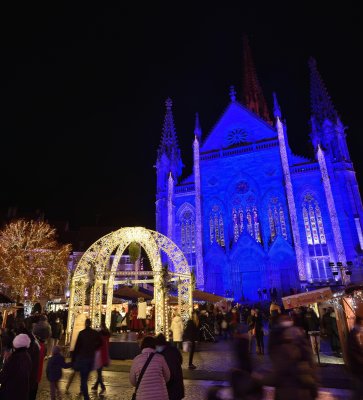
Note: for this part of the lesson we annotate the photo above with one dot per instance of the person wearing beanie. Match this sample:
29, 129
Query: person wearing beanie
15, 375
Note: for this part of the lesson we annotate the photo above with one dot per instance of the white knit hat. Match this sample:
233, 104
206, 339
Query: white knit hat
22, 340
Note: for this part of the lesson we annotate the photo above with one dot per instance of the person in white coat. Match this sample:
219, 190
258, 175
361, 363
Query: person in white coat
177, 328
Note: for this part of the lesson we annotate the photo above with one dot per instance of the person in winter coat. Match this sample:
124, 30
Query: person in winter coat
293, 368
191, 334
177, 328
54, 371
34, 353
260, 347
43, 331
355, 357
57, 329
15, 375
83, 357
174, 360
156, 376
102, 357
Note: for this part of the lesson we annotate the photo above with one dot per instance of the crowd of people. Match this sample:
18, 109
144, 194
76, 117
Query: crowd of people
156, 373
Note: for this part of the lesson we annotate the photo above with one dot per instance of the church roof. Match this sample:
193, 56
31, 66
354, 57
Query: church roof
236, 126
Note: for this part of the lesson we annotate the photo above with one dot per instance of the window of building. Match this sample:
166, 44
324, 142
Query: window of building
276, 219
216, 226
316, 239
187, 235
246, 217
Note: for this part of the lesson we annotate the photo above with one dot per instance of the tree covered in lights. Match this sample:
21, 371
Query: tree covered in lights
32, 263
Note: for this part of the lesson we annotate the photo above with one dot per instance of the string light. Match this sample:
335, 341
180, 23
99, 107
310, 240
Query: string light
93, 271
32, 263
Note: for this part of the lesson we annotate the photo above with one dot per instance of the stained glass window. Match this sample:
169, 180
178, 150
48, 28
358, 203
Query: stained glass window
216, 226
187, 235
316, 239
246, 218
276, 218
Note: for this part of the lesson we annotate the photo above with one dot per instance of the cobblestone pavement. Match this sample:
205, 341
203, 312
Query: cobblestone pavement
119, 388
213, 360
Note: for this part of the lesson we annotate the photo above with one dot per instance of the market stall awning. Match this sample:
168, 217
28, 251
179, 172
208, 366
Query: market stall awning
130, 293
199, 295
306, 298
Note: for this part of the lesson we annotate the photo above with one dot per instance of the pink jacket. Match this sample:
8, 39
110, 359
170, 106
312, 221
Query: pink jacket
153, 383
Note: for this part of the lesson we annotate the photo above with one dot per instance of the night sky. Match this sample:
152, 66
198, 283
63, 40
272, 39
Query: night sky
83, 89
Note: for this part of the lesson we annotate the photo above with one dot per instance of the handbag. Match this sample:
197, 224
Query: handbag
141, 374
186, 346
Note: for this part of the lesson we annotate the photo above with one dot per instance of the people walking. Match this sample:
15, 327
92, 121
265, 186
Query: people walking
191, 334
149, 372
15, 375
355, 357
43, 331
57, 330
54, 371
293, 368
102, 357
174, 359
177, 328
260, 346
88, 341
251, 321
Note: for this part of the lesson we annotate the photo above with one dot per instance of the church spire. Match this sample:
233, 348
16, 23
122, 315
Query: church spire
322, 107
277, 109
197, 128
253, 96
169, 142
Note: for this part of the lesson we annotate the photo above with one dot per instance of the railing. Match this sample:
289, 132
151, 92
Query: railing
239, 150
185, 188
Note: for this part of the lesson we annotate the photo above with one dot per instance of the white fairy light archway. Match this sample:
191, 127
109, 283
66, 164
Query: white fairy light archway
95, 270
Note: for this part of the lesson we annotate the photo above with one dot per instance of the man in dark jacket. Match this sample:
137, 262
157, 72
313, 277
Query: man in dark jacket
174, 359
88, 341
191, 334
15, 375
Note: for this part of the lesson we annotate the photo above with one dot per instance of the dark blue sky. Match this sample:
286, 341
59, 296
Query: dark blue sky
82, 92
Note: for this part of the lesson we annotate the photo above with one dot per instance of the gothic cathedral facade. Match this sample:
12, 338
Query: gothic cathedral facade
253, 214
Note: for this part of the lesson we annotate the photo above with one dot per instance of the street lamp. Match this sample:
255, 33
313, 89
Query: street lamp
345, 270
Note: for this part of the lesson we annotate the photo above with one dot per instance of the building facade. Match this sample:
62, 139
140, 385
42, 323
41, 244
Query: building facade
253, 214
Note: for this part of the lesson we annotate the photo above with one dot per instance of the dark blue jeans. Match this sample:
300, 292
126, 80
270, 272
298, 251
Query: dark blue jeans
99, 379
85, 366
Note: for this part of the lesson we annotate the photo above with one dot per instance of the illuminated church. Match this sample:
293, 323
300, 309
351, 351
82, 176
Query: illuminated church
253, 214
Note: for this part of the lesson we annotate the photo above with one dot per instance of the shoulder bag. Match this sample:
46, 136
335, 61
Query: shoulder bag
141, 375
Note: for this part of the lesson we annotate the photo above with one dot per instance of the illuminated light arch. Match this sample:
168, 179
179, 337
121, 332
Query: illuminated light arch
95, 270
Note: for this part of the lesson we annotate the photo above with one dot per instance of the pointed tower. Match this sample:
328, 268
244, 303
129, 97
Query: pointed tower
197, 128
253, 97
169, 147
322, 107
168, 169
327, 129
289, 191
198, 206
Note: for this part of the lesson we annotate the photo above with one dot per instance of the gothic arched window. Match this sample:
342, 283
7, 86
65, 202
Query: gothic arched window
187, 234
316, 239
276, 219
246, 217
216, 226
